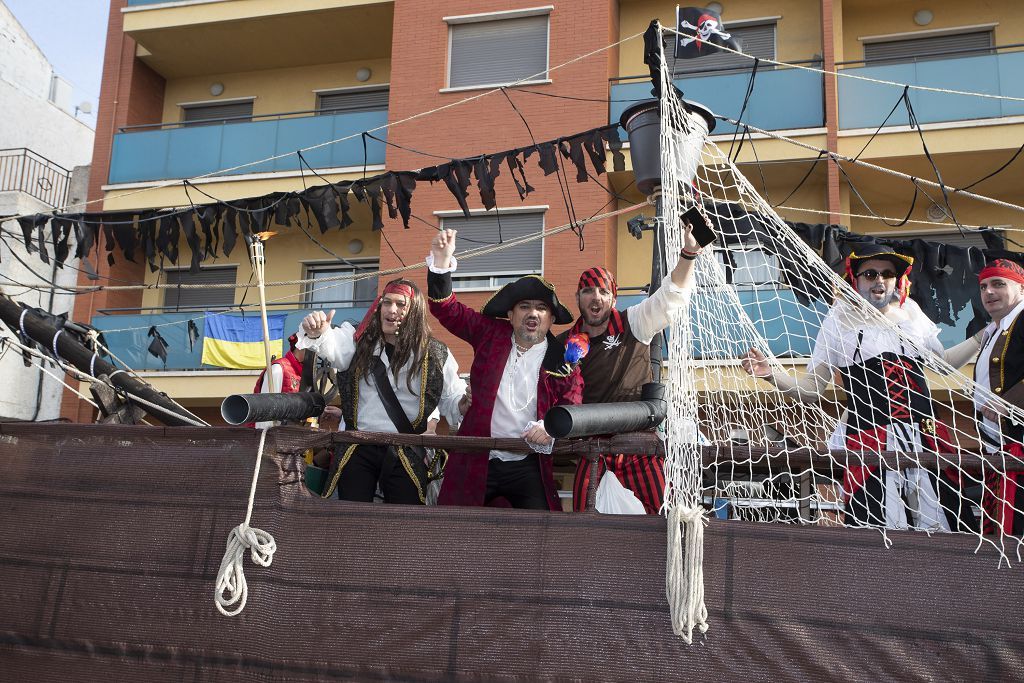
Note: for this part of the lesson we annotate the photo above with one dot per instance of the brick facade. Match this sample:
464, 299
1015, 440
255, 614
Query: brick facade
490, 124
130, 93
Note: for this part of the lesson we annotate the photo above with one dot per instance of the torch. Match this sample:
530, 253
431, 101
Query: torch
258, 258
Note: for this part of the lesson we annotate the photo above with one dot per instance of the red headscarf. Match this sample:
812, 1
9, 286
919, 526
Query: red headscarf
1004, 268
391, 288
598, 277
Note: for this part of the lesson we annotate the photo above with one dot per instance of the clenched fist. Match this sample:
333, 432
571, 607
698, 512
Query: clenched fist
316, 323
442, 247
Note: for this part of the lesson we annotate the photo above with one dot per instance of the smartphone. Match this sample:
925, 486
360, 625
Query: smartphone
702, 231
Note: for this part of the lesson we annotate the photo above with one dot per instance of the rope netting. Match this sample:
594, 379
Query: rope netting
828, 404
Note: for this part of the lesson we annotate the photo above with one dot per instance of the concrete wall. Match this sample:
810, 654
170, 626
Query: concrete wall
35, 115
27, 117
27, 386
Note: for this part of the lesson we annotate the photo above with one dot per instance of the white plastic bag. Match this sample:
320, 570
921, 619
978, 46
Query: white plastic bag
613, 498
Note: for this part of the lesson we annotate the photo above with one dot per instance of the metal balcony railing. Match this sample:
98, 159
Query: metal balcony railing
22, 170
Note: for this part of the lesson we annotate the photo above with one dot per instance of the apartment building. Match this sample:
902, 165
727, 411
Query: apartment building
200, 89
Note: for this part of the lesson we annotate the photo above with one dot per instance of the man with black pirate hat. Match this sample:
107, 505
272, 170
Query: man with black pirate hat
888, 404
519, 371
393, 375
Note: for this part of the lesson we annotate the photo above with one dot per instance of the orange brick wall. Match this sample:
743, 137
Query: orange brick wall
489, 124
130, 93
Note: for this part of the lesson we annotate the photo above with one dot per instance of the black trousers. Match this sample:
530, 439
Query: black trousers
373, 465
518, 482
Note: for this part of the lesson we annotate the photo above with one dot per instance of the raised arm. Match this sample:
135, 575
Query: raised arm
334, 344
457, 318
657, 311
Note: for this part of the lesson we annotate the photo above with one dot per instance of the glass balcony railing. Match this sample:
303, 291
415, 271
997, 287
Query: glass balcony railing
863, 104
128, 338
173, 151
782, 98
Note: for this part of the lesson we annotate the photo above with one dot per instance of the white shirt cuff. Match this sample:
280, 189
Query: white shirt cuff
441, 271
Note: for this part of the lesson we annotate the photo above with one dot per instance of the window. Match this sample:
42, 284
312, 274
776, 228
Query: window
496, 52
929, 47
341, 293
491, 271
349, 101
754, 39
221, 112
749, 267
201, 298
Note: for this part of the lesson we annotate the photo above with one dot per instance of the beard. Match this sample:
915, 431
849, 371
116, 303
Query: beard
525, 336
599, 320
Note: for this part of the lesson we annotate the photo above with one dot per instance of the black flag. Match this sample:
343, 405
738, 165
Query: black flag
193, 335
158, 347
701, 32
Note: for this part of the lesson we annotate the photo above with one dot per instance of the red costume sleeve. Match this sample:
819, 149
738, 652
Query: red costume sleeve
457, 318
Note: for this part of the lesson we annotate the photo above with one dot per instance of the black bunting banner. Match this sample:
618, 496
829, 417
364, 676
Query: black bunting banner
212, 230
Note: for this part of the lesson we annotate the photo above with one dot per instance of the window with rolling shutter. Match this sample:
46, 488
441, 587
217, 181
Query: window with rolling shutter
757, 40
342, 293
490, 271
498, 52
227, 112
346, 101
929, 47
200, 297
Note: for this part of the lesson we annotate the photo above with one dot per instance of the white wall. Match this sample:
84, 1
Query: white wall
29, 119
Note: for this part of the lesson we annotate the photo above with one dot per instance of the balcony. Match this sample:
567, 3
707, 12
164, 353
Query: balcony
145, 153
22, 170
131, 344
782, 99
864, 105
190, 38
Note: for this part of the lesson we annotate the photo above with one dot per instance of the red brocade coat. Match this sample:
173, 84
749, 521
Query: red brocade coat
465, 475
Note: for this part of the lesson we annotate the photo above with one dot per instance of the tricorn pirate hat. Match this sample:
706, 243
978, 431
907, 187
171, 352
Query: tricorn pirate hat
864, 252
527, 287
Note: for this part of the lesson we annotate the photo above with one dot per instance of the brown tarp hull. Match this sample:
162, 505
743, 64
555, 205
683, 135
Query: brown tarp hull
111, 538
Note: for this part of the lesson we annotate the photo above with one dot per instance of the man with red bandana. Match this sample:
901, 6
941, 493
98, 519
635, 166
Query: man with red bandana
518, 372
888, 403
619, 364
999, 372
390, 363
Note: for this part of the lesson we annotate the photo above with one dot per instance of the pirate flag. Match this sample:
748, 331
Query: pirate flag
158, 347
701, 32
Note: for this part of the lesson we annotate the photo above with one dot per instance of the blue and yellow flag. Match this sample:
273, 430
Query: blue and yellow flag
234, 341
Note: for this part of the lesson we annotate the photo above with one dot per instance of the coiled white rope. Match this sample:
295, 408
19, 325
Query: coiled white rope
684, 585
232, 587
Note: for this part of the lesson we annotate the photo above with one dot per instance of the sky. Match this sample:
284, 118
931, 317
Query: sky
72, 35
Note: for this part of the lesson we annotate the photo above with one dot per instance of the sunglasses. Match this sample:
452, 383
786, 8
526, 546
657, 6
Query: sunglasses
872, 274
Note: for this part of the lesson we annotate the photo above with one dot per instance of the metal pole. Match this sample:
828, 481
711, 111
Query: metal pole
657, 273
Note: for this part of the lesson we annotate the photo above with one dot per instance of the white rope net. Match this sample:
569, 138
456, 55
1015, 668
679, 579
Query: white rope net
856, 416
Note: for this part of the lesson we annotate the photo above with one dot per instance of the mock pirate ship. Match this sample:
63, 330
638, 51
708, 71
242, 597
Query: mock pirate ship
112, 538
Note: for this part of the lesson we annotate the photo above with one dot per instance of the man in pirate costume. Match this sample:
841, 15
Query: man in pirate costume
1000, 370
619, 364
393, 374
286, 376
888, 404
518, 373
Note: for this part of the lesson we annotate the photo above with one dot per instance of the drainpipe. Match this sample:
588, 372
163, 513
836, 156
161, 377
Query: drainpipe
828, 58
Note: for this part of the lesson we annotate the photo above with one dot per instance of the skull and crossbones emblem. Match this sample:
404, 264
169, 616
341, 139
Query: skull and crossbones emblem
706, 27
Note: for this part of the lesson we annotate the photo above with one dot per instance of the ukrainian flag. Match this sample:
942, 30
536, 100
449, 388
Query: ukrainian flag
235, 341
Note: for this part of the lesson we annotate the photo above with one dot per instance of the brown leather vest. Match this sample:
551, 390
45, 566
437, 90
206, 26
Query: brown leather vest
615, 367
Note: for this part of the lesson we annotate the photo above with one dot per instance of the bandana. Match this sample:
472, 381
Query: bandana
1004, 268
598, 277
391, 288
292, 341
